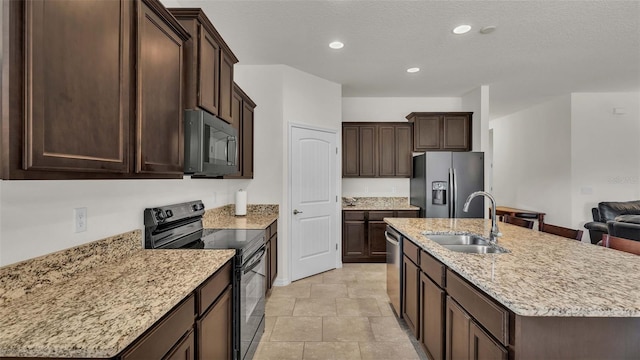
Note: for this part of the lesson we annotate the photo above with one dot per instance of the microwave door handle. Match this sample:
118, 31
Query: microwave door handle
233, 152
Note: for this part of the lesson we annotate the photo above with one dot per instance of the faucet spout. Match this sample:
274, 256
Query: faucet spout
494, 226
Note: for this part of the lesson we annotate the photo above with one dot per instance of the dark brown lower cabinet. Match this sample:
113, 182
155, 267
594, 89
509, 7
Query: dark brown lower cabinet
214, 335
200, 327
363, 237
482, 346
410, 285
185, 350
432, 305
457, 331
166, 335
271, 233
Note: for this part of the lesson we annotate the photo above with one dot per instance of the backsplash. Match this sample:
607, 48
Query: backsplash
373, 202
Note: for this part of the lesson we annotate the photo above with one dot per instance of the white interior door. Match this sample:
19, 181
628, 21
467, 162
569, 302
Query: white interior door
313, 201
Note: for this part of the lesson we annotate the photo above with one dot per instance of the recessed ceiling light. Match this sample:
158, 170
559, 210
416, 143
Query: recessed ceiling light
462, 29
487, 29
336, 45
413, 70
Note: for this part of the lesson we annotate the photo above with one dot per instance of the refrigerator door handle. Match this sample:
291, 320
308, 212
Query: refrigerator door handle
451, 191
455, 194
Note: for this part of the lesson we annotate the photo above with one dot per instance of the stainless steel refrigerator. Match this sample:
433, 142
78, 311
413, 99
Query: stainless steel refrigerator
443, 180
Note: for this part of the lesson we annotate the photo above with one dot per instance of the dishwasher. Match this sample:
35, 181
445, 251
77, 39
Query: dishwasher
394, 268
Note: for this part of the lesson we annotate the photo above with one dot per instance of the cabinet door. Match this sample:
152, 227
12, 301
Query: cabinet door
404, 145
185, 350
273, 264
236, 114
226, 87
77, 82
456, 331
386, 150
214, 329
350, 151
267, 267
427, 132
377, 243
368, 153
353, 240
208, 71
432, 307
456, 130
410, 286
482, 346
159, 127
247, 141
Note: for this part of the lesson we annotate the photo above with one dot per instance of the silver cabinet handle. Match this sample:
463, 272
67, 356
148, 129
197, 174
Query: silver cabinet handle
296, 212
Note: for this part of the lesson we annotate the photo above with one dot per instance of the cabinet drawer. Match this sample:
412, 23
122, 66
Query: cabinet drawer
379, 215
353, 215
434, 269
411, 250
213, 287
163, 336
407, 213
494, 318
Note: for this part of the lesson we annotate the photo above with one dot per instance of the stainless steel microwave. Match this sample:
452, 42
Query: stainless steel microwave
210, 146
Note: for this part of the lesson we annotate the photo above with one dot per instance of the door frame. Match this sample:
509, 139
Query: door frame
337, 232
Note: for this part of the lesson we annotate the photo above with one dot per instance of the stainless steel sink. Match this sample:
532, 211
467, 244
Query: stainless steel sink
458, 239
466, 243
476, 249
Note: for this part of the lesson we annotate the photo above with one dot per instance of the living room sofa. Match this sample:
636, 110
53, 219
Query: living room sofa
624, 211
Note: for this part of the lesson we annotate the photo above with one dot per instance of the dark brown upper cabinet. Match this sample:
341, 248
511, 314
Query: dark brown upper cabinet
92, 90
433, 131
209, 65
159, 95
242, 110
380, 149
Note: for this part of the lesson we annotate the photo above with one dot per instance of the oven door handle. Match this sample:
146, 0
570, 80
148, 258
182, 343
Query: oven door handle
252, 265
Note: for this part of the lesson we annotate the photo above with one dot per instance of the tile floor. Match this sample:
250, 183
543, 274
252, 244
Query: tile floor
340, 314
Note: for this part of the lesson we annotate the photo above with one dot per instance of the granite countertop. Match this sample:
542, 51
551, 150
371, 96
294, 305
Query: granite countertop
92, 301
378, 203
258, 217
543, 275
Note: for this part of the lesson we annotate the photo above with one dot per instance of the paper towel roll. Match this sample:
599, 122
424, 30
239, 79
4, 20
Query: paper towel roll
241, 203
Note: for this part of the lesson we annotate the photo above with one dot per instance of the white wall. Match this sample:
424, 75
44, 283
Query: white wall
36, 216
387, 109
564, 156
285, 95
532, 160
477, 101
605, 150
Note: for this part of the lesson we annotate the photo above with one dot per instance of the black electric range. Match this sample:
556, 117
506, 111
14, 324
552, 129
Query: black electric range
179, 226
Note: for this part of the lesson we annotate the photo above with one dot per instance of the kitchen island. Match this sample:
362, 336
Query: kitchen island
548, 297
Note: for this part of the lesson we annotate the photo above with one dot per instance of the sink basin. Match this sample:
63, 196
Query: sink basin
476, 249
458, 239
466, 243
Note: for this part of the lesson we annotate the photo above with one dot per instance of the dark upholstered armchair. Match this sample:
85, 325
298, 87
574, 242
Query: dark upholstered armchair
626, 211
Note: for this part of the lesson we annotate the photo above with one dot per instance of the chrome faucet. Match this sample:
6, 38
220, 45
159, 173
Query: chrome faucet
494, 226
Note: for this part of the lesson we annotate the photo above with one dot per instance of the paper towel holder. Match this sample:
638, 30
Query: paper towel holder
241, 203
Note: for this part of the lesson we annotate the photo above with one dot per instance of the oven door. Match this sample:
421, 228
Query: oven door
252, 303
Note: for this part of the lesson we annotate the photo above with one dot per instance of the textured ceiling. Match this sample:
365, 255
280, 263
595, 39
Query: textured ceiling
540, 49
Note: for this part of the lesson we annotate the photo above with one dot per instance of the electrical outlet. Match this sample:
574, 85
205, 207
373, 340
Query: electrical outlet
80, 219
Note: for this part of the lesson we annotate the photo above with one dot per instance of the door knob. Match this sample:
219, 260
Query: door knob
296, 212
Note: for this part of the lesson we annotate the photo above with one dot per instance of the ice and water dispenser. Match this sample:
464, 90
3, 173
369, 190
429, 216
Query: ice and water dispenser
439, 192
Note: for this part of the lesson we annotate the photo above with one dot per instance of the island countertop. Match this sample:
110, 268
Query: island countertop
543, 274
95, 300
